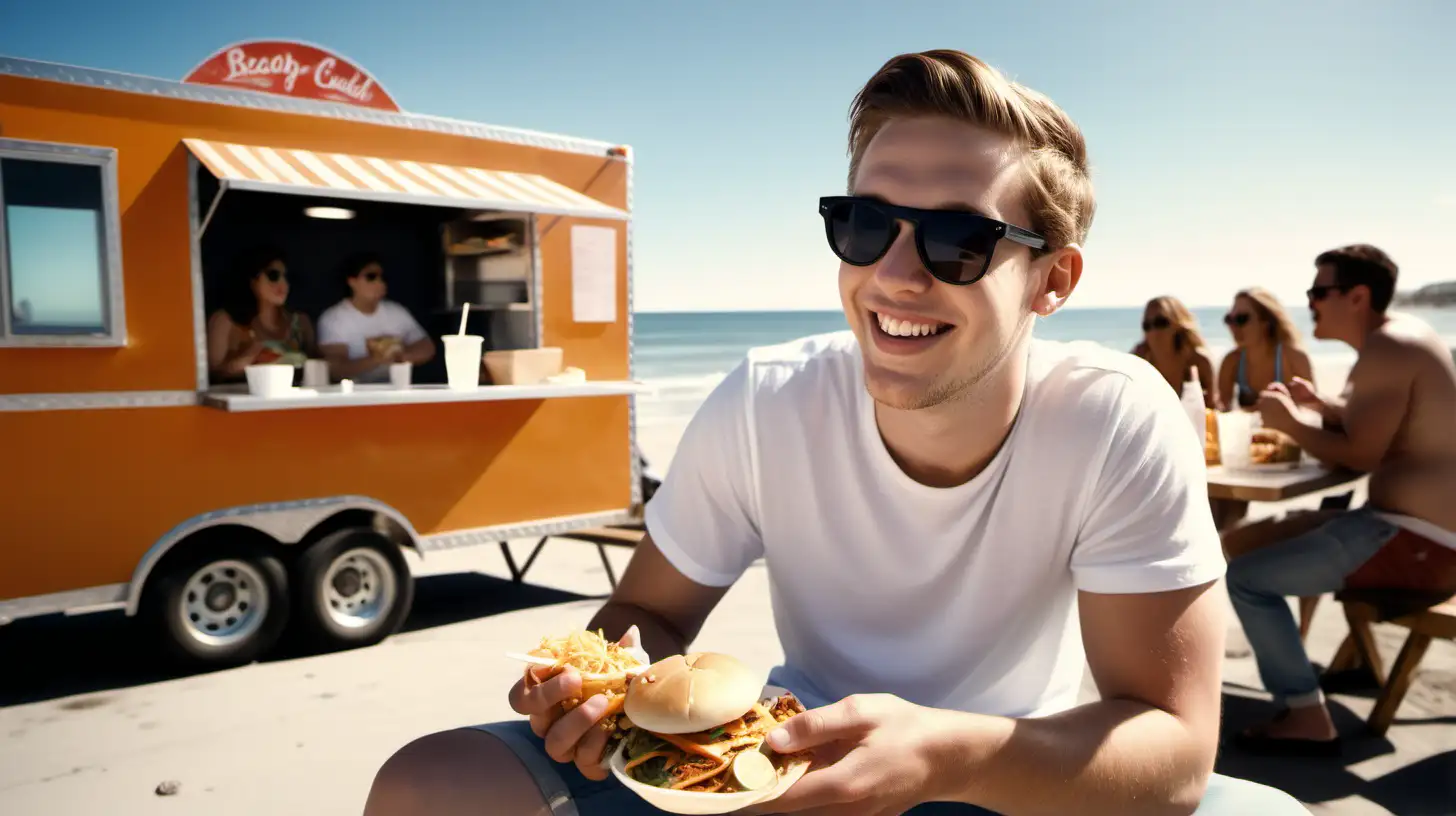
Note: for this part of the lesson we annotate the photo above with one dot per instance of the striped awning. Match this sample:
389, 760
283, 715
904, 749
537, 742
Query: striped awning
341, 175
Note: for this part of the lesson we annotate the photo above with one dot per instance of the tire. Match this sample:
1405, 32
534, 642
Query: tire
219, 604
352, 588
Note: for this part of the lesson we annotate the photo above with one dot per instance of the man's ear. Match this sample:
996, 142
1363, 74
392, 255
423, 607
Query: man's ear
1063, 271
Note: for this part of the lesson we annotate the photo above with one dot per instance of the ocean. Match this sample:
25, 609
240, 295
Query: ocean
684, 355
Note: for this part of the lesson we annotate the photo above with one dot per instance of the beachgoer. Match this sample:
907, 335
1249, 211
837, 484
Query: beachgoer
1268, 349
365, 332
1393, 421
255, 325
955, 518
1172, 343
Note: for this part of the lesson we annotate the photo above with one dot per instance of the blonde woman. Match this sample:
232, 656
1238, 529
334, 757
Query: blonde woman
1268, 349
1172, 343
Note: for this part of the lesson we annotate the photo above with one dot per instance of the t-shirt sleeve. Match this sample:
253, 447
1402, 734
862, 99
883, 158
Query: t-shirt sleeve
410, 330
1149, 527
703, 517
331, 329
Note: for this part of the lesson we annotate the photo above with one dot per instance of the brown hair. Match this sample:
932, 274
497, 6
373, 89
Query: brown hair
1184, 323
957, 85
1272, 312
1363, 265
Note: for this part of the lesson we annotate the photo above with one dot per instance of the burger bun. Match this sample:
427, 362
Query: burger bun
685, 694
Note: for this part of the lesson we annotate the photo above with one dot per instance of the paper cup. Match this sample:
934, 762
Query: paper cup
695, 802
1235, 435
315, 373
462, 360
269, 379
400, 374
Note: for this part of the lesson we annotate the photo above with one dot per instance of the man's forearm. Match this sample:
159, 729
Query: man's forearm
1330, 447
1112, 756
658, 637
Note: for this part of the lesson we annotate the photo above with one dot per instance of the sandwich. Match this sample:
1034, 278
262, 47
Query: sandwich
698, 722
606, 667
1270, 447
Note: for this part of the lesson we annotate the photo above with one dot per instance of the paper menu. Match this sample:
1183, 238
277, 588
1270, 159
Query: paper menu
593, 274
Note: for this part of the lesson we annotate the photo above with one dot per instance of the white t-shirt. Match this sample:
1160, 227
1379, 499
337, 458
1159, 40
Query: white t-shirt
960, 598
343, 324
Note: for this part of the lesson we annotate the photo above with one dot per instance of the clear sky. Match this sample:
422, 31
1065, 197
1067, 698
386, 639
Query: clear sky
1231, 141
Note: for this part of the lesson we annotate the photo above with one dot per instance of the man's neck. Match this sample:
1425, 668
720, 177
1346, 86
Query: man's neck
951, 443
1370, 325
365, 306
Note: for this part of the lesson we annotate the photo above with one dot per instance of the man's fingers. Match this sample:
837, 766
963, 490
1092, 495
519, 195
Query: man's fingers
540, 699
567, 732
817, 726
589, 754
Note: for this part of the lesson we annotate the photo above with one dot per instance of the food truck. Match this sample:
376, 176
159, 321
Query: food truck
225, 516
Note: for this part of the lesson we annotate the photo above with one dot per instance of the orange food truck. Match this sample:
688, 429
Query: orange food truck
226, 510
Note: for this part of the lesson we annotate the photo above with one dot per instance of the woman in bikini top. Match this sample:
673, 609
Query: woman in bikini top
1268, 349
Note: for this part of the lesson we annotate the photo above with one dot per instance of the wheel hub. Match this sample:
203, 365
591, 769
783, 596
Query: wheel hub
359, 587
223, 602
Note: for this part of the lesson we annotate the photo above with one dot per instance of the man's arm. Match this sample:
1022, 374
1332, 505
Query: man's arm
666, 606
1379, 395
1148, 746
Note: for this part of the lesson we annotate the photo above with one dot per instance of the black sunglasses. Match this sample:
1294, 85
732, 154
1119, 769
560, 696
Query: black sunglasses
954, 246
372, 276
274, 275
1236, 318
1321, 292
1158, 322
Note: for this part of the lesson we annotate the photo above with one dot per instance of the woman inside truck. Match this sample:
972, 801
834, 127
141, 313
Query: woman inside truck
255, 325
365, 332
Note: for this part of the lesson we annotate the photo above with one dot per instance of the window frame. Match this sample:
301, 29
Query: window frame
112, 297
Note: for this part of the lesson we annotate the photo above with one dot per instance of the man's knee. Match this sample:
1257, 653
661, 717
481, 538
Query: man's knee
452, 772
1227, 796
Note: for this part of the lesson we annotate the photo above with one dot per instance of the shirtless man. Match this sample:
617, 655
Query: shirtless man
1394, 421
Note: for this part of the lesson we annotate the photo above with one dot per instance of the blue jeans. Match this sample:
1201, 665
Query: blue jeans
570, 794
1312, 563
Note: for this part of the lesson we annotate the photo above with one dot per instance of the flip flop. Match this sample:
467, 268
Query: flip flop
1267, 746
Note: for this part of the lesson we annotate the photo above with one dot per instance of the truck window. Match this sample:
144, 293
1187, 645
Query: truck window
59, 268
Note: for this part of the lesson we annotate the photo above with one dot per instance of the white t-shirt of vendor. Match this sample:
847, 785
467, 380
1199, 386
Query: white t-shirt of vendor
343, 324
961, 598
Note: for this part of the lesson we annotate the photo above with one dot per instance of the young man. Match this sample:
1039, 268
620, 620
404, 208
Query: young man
365, 332
1394, 421
955, 518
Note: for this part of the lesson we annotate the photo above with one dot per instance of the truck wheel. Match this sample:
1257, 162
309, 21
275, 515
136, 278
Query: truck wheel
223, 604
353, 588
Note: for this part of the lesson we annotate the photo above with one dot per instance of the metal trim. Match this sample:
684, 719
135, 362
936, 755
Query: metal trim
538, 287
276, 523
632, 352
112, 282
419, 199
90, 599
96, 400
533, 529
194, 247
256, 100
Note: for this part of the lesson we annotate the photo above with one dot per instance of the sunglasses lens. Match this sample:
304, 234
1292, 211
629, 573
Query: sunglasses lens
957, 247
859, 232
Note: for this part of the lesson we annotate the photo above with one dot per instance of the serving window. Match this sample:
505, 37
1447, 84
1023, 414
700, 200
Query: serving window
60, 249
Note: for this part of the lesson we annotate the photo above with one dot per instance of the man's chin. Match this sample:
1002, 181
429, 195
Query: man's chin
902, 392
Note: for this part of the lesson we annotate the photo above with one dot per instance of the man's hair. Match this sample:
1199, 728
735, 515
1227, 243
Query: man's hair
957, 85
1363, 265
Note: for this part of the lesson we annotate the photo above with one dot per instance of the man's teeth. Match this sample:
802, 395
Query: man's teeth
904, 328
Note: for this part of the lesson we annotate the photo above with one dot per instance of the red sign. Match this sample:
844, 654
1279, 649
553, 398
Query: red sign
292, 69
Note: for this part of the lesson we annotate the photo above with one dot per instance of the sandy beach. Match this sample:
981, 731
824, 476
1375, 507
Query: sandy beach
93, 730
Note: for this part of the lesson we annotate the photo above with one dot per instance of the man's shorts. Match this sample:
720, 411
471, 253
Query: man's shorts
570, 794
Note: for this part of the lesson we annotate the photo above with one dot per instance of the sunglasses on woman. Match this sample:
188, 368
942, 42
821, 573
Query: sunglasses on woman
954, 246
1236, 319
274, 275
1158, 322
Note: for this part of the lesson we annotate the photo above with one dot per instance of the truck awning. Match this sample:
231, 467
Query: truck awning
341, 175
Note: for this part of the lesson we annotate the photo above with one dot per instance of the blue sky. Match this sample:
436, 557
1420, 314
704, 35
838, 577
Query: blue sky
1231, 142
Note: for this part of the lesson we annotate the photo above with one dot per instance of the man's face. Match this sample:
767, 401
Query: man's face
369, 285
937, 164
1331, 309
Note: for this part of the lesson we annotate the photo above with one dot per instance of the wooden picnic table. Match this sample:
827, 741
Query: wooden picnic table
1275, 485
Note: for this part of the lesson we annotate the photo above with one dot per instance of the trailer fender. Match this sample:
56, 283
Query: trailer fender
285, 522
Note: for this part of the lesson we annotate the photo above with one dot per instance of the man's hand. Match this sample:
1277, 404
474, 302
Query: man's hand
1303, 393
873, 754
1277, 407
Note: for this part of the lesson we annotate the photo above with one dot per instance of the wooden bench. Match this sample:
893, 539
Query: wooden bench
1426, 618
624, 535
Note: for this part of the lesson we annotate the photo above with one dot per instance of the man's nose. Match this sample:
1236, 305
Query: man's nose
901, 269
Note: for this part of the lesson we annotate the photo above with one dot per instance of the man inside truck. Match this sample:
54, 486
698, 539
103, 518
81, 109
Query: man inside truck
956, 519
361, 335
